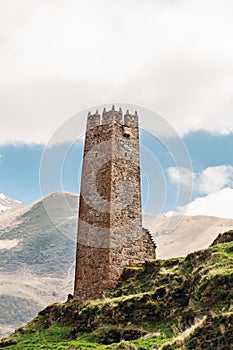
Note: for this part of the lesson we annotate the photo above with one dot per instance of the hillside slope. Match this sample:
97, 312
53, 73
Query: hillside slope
179, 236
37, 252
36, 257
181, 303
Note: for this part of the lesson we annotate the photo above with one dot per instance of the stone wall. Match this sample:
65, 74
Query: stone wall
110, 234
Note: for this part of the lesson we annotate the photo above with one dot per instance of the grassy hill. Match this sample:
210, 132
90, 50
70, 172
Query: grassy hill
180, 303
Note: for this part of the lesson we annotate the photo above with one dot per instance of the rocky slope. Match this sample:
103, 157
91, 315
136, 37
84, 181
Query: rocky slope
37, 252
180, 303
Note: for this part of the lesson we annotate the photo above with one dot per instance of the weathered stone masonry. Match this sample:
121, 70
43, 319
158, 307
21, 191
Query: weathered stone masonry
110, 234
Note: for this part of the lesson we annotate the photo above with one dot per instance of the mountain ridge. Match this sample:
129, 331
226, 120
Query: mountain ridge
7, 203
37, 252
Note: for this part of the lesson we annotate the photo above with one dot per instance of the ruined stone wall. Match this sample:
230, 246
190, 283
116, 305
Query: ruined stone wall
110, 234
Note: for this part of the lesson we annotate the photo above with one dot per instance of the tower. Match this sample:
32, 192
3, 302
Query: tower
110, 233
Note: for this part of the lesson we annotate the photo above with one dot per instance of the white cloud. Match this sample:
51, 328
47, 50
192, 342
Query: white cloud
181, 176
209, 180
215, 183
213, 179
58, 58
218, 204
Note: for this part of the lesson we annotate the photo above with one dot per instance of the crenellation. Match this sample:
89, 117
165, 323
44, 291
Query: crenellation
113, 117
131, 120
93, 120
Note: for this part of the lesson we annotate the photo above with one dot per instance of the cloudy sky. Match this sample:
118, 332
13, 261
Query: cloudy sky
59, 57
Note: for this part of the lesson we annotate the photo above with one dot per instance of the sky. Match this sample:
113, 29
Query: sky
174, 58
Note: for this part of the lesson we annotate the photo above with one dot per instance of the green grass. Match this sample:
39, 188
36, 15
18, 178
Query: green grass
164, 304
57, 337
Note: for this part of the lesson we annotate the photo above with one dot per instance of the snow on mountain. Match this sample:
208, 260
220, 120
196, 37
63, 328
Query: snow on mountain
3, 208
7, 203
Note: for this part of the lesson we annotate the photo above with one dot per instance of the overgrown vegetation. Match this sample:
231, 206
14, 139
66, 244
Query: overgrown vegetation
183, 303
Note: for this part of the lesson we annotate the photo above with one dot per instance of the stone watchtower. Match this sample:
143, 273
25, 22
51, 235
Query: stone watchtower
110, 233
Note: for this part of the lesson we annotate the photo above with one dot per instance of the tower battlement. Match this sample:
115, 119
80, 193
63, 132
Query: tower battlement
93, 120
112, 117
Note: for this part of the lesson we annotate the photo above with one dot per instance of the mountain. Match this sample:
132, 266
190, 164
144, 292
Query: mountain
37, 251
36, 257
179, 236
7, 203
180, 303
